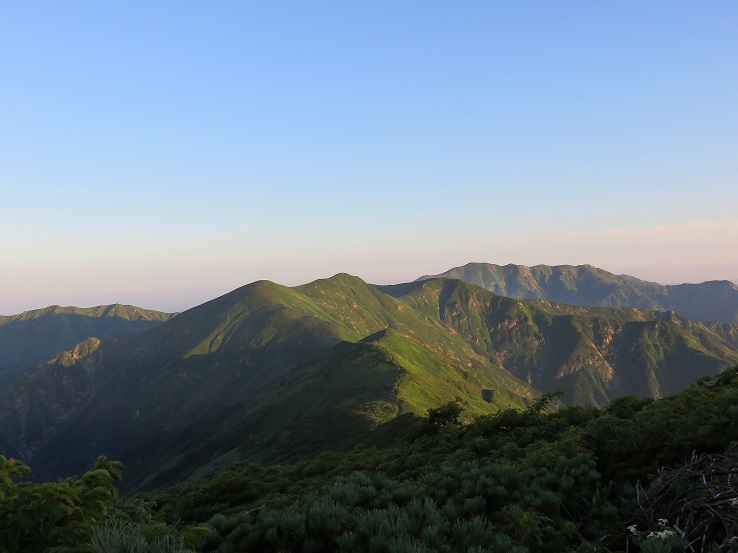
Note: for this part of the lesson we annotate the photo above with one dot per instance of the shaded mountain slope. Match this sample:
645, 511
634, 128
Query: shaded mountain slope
340, 395
272, 373
35, 336
218, 358
332, 401
589, 286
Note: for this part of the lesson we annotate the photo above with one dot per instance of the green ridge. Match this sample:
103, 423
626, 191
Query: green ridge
272, 374
589, 286
35, 336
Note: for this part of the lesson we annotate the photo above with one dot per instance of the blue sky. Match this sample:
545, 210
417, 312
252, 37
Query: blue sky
164, 154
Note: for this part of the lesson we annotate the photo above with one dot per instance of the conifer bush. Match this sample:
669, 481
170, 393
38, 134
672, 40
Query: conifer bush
119, 536
483, 507
537, 480
54, 517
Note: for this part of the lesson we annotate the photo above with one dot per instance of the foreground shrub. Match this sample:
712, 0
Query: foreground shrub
54, 517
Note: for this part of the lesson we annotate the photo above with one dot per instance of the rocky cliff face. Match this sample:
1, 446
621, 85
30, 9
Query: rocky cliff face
44, 398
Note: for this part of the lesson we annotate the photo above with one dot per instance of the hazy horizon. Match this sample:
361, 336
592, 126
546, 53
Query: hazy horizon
178, 300
153, 153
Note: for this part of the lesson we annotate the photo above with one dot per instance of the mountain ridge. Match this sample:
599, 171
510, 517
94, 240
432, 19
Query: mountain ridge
274, 337
524, 335
35, 336
274, 373
587, 285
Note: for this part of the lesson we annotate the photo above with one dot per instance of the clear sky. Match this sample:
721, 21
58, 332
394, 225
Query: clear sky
163, 153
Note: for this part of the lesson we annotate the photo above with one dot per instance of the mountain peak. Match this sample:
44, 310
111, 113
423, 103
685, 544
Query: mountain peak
337, 356
35, 336
589, 286
343, 278
80, 351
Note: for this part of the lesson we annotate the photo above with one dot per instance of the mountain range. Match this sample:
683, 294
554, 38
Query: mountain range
585, 285
35, 336
274, 373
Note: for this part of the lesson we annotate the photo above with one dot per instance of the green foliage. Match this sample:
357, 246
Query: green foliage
696, 502
534, 480
82, 515
476, 507
543, 403
54, 517
10, 469
119, 536
445, 416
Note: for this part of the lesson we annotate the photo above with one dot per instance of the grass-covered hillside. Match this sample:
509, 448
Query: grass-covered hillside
275, 374
593, 354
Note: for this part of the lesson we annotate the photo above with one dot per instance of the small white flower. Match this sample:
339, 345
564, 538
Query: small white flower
734, 501
632, 529
662, 535
663, 521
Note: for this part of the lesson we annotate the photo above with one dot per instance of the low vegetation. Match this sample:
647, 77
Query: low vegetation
641, 475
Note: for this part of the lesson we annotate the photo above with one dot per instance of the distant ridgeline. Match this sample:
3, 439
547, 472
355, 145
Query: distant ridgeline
274, 374
589, 286
35, 336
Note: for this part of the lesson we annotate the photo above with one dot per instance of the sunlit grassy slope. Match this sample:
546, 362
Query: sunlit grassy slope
272, 373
